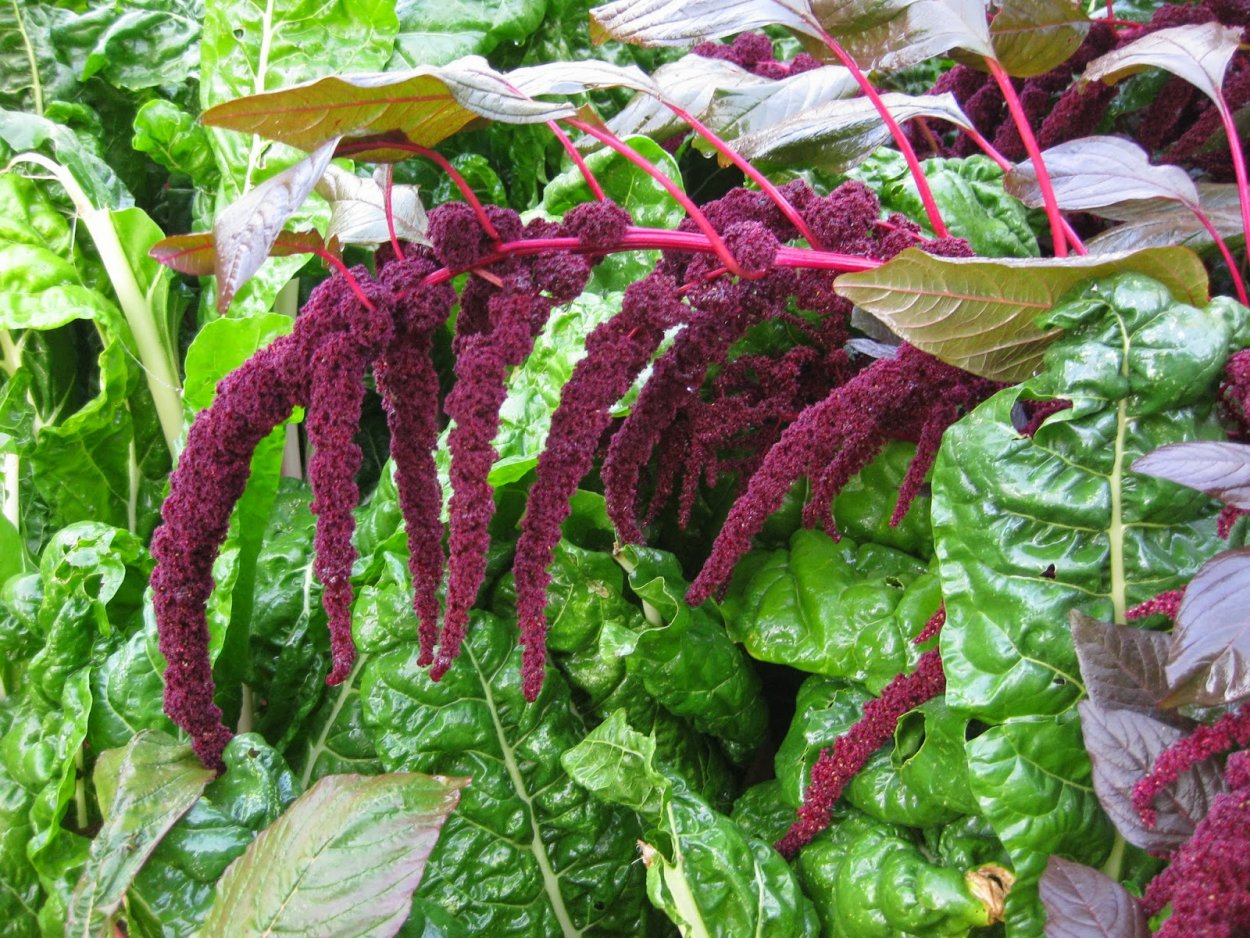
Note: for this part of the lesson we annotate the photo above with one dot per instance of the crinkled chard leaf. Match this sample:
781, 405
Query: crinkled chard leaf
705, 872
527, 850
840, 609
685, 658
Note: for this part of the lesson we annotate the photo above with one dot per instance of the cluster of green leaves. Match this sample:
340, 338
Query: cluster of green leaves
685, 733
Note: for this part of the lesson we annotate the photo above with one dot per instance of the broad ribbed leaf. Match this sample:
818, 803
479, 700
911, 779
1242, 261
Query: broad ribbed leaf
425, 105
1122, 666
151, 783
1081, 902
344, 858
358, 209
1092, 173
980, 314
1209, 664
244, 233
755, 107
1220, 469
1198, 53
837, 135
1033, 36
1123, 746
1027, 529
685, 22
1160, 224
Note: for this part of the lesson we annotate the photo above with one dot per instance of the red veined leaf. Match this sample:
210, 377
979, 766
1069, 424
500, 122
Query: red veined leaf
1081, 902
1198, 53
196, 254
1033, 36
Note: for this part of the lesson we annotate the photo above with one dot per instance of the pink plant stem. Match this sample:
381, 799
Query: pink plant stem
1239, 163
1006, 166
1233, 271
595, 189
1057, 233
900, 139
387, 191
748, 170
661, 239
445, 165
696, 215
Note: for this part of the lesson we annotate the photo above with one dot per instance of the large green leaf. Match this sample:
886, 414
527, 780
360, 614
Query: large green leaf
345, 857
32, 73
1028, 529
527, 852
137, 45
981, 315
703, 871
437, 33
149, 784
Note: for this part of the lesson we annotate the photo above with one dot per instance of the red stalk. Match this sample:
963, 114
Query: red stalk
1239, 162
1057, 232
900, 139
389, 175
1203, 220
611, 140
445, 165
748, 170
595, 189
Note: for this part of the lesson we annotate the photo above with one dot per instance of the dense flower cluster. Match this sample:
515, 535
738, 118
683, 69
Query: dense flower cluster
754, 52
1207, 882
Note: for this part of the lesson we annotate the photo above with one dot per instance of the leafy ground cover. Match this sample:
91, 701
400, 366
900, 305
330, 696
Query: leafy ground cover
660, 468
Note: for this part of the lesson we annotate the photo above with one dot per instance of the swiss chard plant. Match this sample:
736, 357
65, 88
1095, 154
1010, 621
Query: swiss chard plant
688, 468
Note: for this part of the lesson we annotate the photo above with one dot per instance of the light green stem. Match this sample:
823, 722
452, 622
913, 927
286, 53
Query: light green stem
10, 495
159, 368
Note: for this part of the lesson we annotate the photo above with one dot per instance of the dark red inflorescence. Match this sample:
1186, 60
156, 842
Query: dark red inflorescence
616, 351
842, 761
1207, 883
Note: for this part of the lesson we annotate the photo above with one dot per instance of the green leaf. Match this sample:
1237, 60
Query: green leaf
77, 153
348, 839
1198, 53
559, 862
685, 658
175, 140
1139, 368
703, 871
839, 134
685, 22
969, 193
152, 783
834, 608
32, 73
981, 315
435, 34
1031, 37
143, 44
871, 880
127, 689
1031, 777
174, 890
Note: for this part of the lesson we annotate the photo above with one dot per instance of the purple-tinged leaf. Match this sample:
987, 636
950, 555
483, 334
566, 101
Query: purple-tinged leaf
244, 233
570, 78
196, 254
1122, 666
1093, 173
426, 105
1162, 224
979, 313
1033, 36
691, 83
838, 135
750, 108
358, 209
1081, 902
1123, 746
344, 858
922, 30
685, 22
1209, 664
1198, 53
1218, 469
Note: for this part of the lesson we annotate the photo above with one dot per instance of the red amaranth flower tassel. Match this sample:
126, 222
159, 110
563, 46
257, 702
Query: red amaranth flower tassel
616, 351
482, 366
841, 762
211, 475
